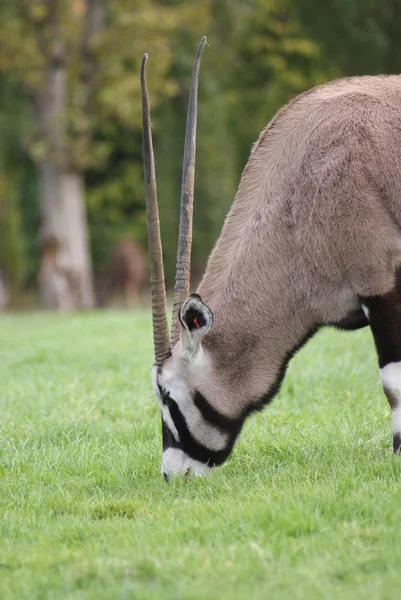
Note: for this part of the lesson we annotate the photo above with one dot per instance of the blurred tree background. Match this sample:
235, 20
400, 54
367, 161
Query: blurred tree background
71, 178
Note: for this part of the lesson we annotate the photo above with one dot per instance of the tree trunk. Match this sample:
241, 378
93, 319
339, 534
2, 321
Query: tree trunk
66, 270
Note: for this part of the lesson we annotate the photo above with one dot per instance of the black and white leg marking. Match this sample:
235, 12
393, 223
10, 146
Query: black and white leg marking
391, 381
384, 313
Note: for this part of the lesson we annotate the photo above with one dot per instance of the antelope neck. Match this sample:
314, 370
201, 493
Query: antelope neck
249, 366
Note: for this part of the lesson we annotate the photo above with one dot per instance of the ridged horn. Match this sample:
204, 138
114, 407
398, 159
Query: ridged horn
183, 265
157, 284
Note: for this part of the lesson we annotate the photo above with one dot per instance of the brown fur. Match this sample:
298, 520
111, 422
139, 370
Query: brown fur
315, 225
125, 273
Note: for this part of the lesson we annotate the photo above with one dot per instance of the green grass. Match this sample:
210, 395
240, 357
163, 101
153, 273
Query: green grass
307, 507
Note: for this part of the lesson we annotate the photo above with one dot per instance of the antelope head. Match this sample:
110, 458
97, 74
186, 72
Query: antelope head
195, 436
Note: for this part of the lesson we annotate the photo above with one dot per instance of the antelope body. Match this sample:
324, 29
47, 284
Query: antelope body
313, 238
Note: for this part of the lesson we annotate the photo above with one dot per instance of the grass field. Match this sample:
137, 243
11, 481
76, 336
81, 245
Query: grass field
309, 505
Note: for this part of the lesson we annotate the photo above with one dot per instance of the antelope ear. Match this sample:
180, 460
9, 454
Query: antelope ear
196, 319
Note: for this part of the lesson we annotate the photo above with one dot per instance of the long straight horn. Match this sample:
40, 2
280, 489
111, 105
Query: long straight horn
183, 266
159, 307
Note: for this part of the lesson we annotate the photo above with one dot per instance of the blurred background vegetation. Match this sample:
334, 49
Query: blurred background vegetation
72, 206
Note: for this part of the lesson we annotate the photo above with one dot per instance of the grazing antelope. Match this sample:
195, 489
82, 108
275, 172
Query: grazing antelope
313, 238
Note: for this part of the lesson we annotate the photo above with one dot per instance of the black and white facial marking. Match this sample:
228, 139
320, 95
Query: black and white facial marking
384, 314
196, 437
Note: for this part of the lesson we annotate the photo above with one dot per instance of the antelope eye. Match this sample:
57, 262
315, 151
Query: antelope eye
164, 394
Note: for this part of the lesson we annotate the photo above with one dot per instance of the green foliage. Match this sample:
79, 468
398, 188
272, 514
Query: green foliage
16, 177
308, 506
12, 250
277, 61
359, 36
261, 54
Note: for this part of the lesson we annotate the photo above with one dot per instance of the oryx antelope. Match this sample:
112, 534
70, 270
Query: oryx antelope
313, 238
